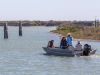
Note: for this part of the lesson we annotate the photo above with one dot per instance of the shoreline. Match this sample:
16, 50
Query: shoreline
79, 32
76, 39
17, 25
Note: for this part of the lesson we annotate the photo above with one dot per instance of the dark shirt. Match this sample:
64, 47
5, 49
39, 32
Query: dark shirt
63, 44
50, 44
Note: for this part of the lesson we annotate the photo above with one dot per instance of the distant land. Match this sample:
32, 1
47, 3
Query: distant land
78, 29
50, 23
83, 31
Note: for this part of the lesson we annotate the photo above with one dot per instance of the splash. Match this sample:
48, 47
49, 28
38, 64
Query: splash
95, 56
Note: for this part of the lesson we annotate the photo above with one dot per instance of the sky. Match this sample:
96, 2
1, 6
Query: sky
49, 9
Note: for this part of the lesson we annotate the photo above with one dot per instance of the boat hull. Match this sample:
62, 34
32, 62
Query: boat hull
65, 52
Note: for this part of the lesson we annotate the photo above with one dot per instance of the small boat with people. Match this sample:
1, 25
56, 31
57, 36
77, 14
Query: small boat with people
70, 52
66, 48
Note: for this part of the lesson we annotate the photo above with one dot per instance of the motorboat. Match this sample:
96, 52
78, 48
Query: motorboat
70, 51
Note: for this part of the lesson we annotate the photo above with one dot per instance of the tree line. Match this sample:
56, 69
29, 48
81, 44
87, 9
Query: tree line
50, 23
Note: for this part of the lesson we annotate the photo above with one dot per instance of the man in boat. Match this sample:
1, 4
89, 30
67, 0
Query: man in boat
63, 43
51, 44
69, 39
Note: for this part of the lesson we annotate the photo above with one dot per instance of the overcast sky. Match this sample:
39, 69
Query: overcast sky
49, 9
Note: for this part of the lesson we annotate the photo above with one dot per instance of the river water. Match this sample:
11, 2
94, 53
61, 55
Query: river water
24, 55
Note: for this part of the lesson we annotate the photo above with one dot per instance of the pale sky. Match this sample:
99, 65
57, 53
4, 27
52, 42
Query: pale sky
49, 9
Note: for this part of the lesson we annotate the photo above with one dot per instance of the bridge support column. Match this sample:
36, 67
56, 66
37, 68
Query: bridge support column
6, 30
20, 28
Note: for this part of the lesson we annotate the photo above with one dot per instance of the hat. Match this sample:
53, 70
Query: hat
68, 33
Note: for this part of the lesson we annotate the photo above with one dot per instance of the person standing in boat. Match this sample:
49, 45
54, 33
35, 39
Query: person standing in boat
63, 43
51, 44
69, 39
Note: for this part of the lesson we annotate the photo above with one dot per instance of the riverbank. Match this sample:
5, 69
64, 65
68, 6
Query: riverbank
89, 33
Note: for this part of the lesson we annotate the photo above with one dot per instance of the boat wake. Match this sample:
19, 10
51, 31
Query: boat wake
95, 56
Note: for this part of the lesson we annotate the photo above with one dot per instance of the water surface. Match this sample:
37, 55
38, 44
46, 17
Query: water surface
24, 55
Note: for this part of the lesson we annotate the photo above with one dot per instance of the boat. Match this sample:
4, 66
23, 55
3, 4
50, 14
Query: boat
69, 52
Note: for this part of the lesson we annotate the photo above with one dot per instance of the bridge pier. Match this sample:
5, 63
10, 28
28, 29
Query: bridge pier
6, 30
20, 28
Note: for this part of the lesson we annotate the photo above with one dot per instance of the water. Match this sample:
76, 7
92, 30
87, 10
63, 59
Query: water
24, 55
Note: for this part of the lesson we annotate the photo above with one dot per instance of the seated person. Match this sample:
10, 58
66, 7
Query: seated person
63, 43
51, 44
78, 46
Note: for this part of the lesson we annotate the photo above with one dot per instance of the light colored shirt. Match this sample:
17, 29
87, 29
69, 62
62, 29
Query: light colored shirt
69, 40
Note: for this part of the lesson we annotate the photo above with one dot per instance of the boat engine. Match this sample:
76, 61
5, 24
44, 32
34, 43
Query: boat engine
87, 49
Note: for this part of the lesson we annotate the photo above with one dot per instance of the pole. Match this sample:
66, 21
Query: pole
6, 31
20, 28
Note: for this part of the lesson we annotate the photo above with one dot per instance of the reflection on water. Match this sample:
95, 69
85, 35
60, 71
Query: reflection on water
24, 55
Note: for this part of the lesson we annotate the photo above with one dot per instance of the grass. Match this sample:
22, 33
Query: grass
79, 32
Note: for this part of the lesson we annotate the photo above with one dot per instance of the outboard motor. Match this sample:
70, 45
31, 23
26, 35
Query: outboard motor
87, 49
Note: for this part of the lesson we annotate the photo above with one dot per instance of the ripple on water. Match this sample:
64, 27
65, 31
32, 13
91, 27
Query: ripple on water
24, 55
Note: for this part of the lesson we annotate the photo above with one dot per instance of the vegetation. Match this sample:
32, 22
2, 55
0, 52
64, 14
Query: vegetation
79, 32
47, 23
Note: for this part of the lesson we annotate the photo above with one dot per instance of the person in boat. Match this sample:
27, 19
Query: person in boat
78, 46
63, 43
87, 49
51, 44
69, 39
